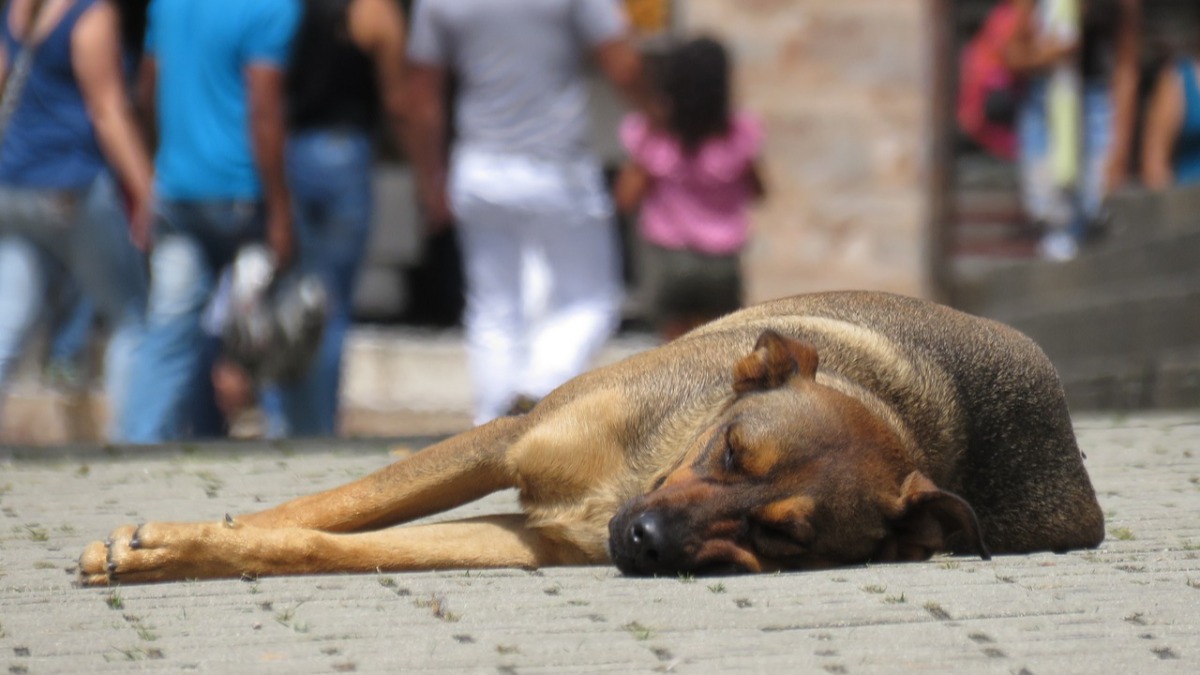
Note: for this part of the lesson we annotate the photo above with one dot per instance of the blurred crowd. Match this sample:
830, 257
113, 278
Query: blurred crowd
194, 176
1069, 90
191, 180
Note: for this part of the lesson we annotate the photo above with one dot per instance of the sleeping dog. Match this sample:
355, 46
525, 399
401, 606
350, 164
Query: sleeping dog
803, 433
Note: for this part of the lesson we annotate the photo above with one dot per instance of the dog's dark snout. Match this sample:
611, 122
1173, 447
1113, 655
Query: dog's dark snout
648, 543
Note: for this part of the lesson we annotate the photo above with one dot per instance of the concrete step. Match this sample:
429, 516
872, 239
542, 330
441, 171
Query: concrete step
990, 221
1132, 328
1167, 380
1118, 269
1140, 215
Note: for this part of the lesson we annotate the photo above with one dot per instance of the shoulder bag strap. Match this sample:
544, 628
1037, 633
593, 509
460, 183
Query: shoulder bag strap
18, 72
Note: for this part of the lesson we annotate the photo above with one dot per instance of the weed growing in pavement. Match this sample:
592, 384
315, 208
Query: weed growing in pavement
440, 609
1122, 534
638, 631
936, 611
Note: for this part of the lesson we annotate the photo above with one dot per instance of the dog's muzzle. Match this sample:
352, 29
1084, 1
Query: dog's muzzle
640, 544
648, 543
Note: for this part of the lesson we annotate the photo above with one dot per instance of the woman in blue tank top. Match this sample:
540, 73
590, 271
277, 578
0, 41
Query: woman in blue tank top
1171, 140
66, 120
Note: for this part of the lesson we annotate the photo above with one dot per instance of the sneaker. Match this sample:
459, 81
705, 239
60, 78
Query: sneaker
1058, 247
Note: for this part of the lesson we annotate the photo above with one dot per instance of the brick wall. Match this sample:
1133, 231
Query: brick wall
844, 91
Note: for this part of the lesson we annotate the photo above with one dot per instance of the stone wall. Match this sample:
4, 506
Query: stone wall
843, 86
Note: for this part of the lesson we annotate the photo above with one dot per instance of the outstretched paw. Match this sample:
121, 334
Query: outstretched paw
155, 552
97, 566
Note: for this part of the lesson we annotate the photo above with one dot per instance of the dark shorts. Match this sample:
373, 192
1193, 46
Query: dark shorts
684, 283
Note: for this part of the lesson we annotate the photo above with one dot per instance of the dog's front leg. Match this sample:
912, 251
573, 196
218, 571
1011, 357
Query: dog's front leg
454, 472
229, 549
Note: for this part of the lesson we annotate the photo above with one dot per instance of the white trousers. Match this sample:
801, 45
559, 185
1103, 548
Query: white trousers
520, 218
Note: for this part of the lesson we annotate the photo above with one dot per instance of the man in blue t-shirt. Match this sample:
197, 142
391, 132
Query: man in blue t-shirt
213, 73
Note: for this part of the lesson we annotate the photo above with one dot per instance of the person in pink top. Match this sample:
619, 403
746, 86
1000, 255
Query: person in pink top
693, 170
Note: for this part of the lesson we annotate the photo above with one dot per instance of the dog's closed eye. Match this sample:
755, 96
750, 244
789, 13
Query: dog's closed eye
729, 459
776, 541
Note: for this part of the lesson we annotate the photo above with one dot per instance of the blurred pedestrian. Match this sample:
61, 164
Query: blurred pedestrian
521, 180
66, 111
347, 68
213, 74
1171, 131
988, 90
694, 173
1075, 137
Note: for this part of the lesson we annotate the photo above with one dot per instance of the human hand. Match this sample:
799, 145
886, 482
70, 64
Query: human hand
281, 238
141, 223
436, 209
233, 388
1057, 49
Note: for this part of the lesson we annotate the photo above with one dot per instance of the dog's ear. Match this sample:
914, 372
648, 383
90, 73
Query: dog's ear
926, 516
774, 361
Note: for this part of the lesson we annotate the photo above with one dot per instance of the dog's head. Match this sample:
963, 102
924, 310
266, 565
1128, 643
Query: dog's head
794, 475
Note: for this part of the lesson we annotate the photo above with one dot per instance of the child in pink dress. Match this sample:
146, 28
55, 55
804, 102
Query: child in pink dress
694, 174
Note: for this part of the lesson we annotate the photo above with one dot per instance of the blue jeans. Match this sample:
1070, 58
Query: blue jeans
194, 241
47, 234
329, 172
72, 327
1073, 210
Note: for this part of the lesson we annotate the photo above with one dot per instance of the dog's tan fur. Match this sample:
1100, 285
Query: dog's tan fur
806, 432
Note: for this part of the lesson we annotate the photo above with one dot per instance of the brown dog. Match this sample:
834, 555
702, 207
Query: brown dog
803, 433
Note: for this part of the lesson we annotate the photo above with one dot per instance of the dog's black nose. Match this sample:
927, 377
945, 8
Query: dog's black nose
648, 544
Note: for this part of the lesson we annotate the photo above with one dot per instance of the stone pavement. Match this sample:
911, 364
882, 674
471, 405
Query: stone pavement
1132, 606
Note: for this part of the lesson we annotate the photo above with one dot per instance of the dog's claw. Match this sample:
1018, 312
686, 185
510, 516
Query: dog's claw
135, 542
229, 521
